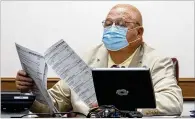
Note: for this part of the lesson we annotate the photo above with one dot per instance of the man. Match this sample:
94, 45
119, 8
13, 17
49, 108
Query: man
122, 46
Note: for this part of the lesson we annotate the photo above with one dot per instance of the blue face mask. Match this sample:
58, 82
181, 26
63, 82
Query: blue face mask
114, 38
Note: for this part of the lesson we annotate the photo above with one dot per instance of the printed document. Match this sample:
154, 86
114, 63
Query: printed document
72, 69
34, 65
66, 64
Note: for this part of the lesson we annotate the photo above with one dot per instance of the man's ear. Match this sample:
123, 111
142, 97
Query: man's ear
140, 31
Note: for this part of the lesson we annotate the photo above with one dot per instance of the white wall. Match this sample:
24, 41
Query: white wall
169, 27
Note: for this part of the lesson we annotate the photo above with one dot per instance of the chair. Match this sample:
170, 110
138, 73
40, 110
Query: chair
176, 67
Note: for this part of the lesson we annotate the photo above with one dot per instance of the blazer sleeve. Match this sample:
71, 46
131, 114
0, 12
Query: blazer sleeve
169, 99
60, 94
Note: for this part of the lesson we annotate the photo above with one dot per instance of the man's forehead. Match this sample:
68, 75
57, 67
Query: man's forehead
119, 13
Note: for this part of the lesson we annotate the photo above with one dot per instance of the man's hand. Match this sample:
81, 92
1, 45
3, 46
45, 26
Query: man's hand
94, 105
23, 82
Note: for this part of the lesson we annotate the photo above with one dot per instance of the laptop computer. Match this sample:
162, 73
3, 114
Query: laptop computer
125, 88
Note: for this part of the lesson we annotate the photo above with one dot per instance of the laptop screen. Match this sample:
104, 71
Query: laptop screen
125, 88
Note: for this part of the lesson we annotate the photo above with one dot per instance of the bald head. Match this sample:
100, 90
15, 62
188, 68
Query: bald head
127, 12
128, 16
124, 19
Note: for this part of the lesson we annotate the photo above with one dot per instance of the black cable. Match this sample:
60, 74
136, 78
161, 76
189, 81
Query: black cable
97, 112
110, 111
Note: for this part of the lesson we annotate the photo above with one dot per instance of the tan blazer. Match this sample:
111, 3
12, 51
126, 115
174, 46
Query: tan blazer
168, 94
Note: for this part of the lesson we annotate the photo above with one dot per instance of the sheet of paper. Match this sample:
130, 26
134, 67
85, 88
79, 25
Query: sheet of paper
45, 76
35, 90
72, 69
34, 65
38, 94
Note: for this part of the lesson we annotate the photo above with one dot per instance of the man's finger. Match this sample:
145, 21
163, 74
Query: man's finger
24, 83
94, 105
22, 73
22, 78
23, 88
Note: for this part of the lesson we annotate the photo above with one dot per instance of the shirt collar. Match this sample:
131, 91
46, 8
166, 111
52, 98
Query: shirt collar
124, 63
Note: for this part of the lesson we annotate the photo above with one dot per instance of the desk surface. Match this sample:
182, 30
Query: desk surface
9, 115
187, 107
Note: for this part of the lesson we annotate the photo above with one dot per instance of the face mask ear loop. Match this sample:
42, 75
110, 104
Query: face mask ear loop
134, 41
131, 30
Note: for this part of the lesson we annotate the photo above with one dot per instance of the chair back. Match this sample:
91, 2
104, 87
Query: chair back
176, 67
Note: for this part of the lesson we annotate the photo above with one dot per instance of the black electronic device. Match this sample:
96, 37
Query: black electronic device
110, 111
125, 88
16, 101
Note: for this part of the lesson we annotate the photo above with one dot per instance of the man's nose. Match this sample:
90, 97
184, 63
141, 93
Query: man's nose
113, 27
113, 24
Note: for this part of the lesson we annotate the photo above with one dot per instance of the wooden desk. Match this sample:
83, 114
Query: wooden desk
188, 88
187, 85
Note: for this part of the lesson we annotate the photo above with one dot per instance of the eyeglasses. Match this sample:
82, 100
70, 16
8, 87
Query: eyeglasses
118, 22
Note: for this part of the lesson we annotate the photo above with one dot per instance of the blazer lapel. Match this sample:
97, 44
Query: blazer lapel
101, 58
137, 58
